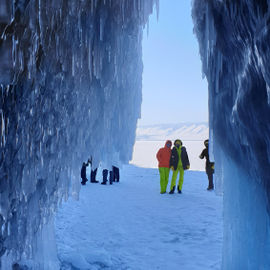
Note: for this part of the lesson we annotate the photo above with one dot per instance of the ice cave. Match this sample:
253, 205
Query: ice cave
71, 79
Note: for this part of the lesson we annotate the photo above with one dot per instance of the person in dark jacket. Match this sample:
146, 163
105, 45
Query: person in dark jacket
93, 172
93, 176
178, 163
116, 174
83, 173
209, 166
105, 177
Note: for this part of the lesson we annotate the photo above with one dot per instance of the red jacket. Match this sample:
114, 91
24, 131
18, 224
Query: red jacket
163, 156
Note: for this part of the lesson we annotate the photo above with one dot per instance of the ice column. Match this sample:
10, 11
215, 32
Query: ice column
234, 46
70, 88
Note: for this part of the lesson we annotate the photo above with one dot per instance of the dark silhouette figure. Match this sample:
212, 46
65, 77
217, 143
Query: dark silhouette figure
93, 172
83, 173
116, 174
93, 176
105, 176
209, 166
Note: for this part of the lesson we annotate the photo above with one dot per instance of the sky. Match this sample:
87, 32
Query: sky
173, 88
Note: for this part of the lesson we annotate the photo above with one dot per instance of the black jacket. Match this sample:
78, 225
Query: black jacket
184, 158
83, 171
208, 163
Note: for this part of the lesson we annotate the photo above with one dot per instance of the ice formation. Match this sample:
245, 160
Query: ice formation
70, 81
234, 43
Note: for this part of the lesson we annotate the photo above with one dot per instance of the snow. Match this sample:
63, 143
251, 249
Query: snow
185, 131
130, 225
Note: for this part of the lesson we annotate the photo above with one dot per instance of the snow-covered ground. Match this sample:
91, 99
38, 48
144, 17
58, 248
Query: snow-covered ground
130, 225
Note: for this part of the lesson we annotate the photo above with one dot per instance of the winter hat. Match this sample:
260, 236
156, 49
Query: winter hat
179, 142
168, 142
206, 142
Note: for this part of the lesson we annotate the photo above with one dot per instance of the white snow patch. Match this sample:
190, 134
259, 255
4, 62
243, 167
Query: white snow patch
130, 225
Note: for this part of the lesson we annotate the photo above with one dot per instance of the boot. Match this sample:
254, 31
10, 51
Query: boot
179, 190
111, 177
103, 183
172, 191
94, 181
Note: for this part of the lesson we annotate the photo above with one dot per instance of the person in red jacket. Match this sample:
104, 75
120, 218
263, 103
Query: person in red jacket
163, 157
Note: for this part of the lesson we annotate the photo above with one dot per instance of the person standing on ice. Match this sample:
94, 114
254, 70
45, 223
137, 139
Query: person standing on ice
116, 174
163, 156
209, 166
83, 173
178, 163
93, 172
105, 175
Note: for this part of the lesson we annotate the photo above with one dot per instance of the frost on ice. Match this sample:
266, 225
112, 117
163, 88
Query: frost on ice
234, 43
70, 86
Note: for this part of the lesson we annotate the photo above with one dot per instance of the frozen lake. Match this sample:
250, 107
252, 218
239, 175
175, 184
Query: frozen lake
144, 153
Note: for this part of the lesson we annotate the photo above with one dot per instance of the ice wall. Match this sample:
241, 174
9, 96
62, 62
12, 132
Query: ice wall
234, 38
70, 87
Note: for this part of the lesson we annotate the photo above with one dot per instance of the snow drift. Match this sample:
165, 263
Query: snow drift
234, 46
70, 80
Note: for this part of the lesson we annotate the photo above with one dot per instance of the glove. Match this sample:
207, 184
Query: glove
188, 167
213, 167
172, 168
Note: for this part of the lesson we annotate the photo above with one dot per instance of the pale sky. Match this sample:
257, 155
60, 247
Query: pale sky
173, 88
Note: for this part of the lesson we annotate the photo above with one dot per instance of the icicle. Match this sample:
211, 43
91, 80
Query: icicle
14, 51
3, 135
90, 60
268, 93
8, 229
147, 27
101, 27
157, 8
92, 6
73, 65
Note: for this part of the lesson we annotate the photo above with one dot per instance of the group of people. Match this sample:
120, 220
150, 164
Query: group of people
177, 160
114, 175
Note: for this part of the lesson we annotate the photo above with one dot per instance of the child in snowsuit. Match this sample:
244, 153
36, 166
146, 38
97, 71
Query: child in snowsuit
178, 163
209, 166
163, 157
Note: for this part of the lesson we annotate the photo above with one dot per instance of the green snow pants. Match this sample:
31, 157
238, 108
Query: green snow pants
164, 178
181, 177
